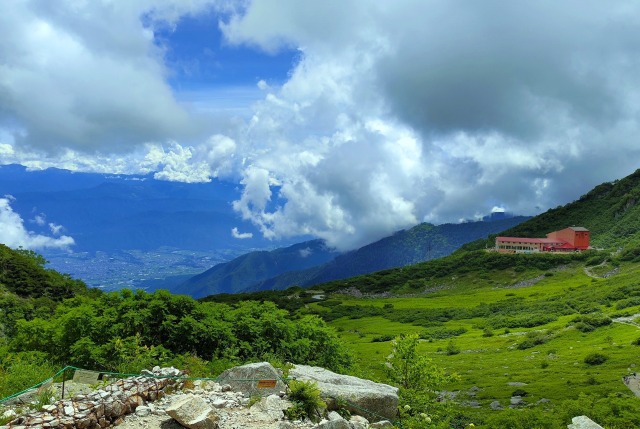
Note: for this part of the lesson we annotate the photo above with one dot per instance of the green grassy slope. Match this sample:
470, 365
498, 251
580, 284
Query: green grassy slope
498, 326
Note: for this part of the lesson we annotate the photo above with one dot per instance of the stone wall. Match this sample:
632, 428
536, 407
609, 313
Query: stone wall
102, 407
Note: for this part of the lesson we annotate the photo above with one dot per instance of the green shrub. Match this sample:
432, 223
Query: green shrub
595, 358
519, 392
305, 397
382, 339
534, 338
441, 333
625, 303
452, 348
589, 322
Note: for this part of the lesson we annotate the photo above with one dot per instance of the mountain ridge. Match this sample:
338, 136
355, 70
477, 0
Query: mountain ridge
420, 243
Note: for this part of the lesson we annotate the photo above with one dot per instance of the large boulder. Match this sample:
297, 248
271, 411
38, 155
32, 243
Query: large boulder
583, 422
271, 407
377, 401
193, 412
252, 379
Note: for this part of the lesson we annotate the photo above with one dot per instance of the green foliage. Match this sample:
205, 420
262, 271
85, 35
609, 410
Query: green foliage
22, 272
382, 339
519, 392
415, 277
595, 358
44, 397
590, 322
126, 331
626, 303
523, 419
19, 371
342, 408
612, 411
411, 370
534, 338
306, 400
452, 348
441, 333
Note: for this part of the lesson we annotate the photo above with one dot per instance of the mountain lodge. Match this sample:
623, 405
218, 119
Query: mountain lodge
572, 239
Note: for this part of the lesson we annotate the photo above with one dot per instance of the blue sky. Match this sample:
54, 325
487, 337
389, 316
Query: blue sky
345, 120
200, 59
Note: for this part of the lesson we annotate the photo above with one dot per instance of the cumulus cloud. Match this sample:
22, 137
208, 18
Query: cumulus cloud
14, 234
88, 75
410, 111
240, 235
396, 112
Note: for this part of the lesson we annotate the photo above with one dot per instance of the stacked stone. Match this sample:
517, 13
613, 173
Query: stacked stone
101, 408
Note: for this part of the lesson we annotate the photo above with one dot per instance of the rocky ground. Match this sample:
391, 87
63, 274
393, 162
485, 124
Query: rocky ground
231, 407
160, 399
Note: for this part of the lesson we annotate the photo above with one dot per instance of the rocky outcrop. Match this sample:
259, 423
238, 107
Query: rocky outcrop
378, 401
193, 412
247, 378
583, 422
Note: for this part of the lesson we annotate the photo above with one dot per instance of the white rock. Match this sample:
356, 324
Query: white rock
193, 412
219, 403
359, 422
143, 411
583, 422
333, 415
245, 378
382, 424
378, 398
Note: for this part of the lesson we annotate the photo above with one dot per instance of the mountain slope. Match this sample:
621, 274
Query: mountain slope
246, 270
284, 268
611, 211
420, 243
22, 273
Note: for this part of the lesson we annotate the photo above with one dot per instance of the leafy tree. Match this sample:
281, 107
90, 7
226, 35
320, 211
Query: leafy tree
418, 379
412, 370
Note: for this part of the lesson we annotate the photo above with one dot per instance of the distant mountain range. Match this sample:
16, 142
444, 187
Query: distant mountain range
137, 231
111, 212
254, 267
130, 230
283, 268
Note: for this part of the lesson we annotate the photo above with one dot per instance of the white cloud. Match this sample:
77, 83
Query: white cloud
410, 111
306, 252
55, 229
396, 112
14, 234
240, 235
88, 76
40, 219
